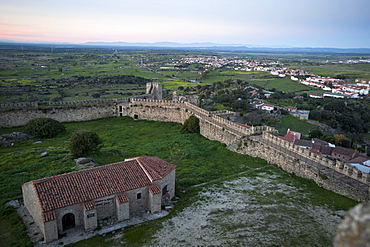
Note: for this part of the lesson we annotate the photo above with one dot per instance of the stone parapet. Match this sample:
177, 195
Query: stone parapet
302, 166
336, 165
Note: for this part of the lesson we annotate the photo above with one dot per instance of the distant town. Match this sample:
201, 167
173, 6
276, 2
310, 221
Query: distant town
337, 88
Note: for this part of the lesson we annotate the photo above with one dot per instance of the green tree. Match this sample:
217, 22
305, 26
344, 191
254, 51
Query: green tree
338, 139
44, 127
84, 142
316, 133
191, 125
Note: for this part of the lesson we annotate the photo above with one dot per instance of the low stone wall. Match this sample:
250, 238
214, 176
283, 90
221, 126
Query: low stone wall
61, 113
20, 104
81, 102
229, 115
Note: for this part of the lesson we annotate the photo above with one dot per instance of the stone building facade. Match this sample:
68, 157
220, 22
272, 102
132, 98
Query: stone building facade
79, 199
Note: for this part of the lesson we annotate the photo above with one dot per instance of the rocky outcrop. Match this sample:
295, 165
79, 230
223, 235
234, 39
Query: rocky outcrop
354, 231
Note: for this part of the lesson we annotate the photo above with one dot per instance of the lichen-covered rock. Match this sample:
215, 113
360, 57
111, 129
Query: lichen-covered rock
12, 138
84, 163
354, 231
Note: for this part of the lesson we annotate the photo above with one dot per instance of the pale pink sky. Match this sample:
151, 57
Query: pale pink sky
314, 23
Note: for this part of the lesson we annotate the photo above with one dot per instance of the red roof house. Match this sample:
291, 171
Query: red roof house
291, 136
81, 198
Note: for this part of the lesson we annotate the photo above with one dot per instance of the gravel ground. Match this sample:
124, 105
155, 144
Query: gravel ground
250, 212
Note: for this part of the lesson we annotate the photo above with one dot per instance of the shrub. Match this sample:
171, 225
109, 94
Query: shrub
191, 125
84, 142
44, 127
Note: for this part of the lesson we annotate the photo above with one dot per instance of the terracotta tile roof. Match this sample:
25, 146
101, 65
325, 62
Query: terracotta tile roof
86, 185
154, 189
156, 167
326, 150
291, 136
48, 216
243, 125
317, 140
305, 143
122, 197
89, 205
344, 151
315, 151
359, 159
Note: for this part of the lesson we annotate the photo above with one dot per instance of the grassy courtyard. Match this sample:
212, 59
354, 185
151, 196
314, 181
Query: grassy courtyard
198, 160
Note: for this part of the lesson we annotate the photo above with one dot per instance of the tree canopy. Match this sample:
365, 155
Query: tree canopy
43, 127
84, 142
191, 125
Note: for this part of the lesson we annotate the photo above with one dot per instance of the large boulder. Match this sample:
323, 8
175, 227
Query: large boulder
354, 230
84, 163
12, 138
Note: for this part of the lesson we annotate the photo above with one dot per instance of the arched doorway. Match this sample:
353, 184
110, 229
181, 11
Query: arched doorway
68, 221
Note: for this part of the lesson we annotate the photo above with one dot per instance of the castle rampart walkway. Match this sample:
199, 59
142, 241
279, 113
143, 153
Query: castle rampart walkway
320, 168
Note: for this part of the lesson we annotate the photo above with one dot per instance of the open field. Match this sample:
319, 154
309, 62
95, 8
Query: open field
198, 161
60, 74
350, 71
292, 123
262, 79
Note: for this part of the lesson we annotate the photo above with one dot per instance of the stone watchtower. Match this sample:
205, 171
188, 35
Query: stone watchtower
155, 89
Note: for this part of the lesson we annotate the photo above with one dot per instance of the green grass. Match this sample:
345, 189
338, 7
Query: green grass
13, 231
263, 79
174, 84
198, 160
192, 153
294, 124
351, 71
27, 73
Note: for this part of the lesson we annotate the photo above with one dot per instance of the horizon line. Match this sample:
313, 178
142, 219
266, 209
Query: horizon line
173, 44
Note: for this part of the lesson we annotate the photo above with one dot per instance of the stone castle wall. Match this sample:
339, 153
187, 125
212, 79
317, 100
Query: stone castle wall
20, 117
290, 157
13, 106
267, 146
335, 165
211, 126
302, 166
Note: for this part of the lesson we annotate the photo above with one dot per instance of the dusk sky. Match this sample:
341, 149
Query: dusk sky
297, 23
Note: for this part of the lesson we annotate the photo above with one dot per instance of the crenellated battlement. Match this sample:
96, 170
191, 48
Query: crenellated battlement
20, 104
212, 126
336, 165
259, 141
